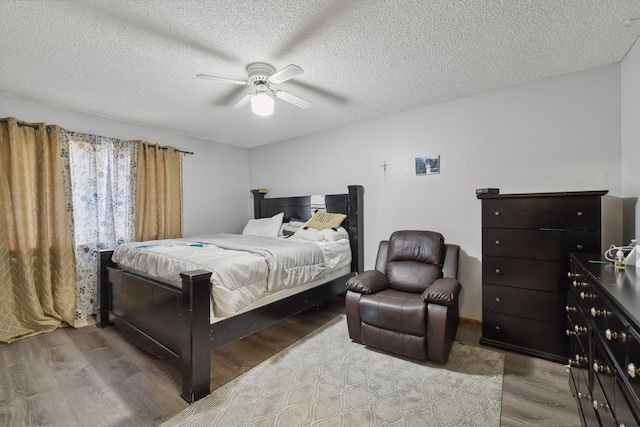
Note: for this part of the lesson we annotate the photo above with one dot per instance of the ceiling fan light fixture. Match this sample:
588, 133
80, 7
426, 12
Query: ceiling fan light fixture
262, 104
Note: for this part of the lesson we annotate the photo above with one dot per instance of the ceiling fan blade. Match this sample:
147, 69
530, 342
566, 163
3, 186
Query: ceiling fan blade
244, 101
221, 79
285, 74
292, 99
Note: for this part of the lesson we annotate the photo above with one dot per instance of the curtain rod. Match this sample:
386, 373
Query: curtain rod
31, 125
179, 151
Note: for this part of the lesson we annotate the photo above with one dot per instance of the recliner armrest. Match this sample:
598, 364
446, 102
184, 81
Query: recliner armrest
443, 291
368, 282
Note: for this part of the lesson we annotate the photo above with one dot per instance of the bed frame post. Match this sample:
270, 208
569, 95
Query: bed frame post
195, 343
104, 303
356, 228
258, 197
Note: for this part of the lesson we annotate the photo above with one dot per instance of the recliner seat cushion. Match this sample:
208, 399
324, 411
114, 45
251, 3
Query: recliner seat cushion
415, 259
394, 310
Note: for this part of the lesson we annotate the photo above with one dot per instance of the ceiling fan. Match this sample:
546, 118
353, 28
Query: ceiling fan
261, 77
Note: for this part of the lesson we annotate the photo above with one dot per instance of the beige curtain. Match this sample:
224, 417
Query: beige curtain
38, 290
158, 193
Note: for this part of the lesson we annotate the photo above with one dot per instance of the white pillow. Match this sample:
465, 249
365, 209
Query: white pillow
268, 227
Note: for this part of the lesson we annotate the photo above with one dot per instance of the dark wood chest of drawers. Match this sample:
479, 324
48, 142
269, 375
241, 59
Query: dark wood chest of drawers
526, 240
603, 311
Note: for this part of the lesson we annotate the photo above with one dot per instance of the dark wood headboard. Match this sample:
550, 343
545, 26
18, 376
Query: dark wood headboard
349, 204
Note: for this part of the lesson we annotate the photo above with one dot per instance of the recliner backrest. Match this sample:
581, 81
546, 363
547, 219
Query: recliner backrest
414, 259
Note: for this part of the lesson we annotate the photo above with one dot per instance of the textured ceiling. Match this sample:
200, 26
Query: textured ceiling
136, 61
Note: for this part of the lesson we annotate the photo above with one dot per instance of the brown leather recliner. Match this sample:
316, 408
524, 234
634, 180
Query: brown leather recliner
408, 305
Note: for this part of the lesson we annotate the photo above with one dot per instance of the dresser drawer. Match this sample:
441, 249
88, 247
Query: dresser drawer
574, 213
538, 244
545, 306
530, 334
578, 328
579, 360
616, 336
523, 273
604, 386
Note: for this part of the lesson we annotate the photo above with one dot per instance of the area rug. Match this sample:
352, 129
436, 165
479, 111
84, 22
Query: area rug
325, 379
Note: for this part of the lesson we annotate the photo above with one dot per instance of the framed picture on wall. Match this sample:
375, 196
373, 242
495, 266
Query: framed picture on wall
427, 165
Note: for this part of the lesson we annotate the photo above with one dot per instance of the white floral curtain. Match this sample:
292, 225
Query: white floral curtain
100, 175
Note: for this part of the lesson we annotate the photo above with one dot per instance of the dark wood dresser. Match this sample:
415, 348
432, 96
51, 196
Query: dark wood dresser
603, 309
526, 240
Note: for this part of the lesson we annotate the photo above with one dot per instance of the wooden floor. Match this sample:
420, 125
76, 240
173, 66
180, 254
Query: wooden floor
93, 377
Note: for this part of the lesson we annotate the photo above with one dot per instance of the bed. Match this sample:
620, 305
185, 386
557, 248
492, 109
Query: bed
173, 322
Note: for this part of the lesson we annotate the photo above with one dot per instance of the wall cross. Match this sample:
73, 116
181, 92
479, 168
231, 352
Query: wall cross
384, 167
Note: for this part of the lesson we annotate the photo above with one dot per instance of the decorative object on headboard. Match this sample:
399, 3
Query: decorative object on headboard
487, 191
317, 203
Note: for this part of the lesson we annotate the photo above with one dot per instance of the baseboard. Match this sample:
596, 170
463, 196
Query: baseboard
472, 322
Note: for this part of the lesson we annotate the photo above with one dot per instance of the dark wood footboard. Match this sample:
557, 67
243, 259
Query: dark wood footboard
166, 321
195, 329
170, 322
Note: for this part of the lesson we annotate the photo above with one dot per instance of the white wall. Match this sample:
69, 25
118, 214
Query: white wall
215, 178
560, 134
631, 140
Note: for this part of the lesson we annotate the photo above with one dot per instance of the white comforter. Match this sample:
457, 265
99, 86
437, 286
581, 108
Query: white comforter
244, 268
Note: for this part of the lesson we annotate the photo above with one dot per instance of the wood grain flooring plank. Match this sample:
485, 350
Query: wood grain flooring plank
94, 402
535, 392
168, 368
10, 404
37, 397
146, 385
154, 401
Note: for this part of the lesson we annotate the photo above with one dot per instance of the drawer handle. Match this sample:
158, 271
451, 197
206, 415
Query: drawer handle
496, 213
580, 329
571, 275
569, 332
632, 371
596, 313
579, 213
583, 396
581, 359
585, 295
497, 242
570, 309
497, 299
601, 368
614, 335
497, 327
579, 246
577, 284
574, 363
598, 406
497, 271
